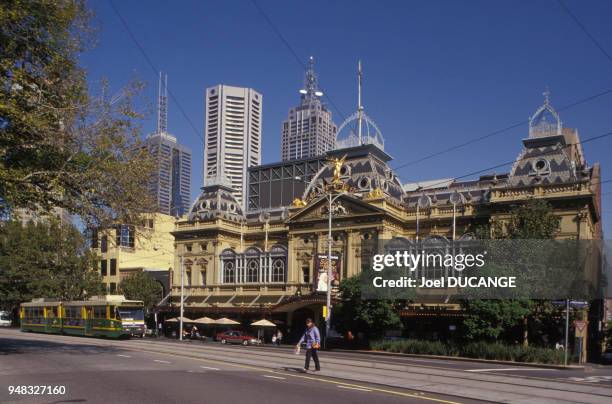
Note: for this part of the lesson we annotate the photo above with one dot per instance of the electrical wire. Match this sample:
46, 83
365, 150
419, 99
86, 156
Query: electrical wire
583, 28
488, 169
155, 70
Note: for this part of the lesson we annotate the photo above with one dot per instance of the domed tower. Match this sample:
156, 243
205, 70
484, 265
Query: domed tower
551, 154
216, 201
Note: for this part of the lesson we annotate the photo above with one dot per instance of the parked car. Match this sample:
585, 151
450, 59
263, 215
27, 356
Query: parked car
606, 357
5, 319
237, 337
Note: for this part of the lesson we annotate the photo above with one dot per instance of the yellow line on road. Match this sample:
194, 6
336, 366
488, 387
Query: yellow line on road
319, 379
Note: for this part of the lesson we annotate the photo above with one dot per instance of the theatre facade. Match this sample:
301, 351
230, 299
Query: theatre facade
265, 262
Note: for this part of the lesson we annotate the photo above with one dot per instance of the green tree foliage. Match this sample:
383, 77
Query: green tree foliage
141, 286
60, 145
488, 319
371, 317
532, 221
45, 259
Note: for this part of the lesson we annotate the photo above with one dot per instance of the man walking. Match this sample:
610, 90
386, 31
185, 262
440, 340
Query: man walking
312, 338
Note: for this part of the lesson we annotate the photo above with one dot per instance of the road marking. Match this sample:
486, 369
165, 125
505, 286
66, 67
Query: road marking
124, 356
591, 379
503, 369
318, 379
261, 369
209, 368
274, 377
353, 388
160, 361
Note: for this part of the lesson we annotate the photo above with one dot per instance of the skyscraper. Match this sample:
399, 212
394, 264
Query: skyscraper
171, 182
309, 130
233, 136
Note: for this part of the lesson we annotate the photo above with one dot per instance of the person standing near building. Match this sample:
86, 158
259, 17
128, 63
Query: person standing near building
312, 338
279, 337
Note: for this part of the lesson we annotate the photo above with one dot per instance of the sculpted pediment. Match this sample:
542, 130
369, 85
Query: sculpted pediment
344, 206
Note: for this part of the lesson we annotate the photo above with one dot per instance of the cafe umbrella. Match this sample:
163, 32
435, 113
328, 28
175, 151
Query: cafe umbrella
261, 324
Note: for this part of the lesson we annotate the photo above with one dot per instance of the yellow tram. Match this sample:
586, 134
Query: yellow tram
111, 316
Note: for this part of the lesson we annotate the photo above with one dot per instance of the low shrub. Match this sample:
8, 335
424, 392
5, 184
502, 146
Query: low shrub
476, 350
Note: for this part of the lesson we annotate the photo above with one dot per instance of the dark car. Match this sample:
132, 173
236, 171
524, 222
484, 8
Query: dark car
236, 337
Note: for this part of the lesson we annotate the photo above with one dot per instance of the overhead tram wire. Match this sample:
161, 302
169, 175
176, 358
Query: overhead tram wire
488, 169
155, 70
583, 28
497, 132
294, 53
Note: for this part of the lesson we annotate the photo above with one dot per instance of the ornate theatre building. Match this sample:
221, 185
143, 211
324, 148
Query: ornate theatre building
264, 262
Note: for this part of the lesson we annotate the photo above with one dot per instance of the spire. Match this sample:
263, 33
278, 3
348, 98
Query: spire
546, 95
545, 121
162, 104
359, 106
311, 88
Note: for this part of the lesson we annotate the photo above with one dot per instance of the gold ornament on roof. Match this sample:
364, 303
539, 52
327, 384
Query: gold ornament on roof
338, 163
375, 194
298, 203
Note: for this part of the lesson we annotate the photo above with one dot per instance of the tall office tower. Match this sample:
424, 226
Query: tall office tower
233, 137
309, 130
171, 182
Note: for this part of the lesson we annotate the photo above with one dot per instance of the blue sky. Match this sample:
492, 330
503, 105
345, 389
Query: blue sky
436, 73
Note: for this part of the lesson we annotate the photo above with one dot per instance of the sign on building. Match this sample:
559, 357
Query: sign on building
321, 272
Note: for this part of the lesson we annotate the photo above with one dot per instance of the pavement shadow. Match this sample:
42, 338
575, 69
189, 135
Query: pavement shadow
14, 346
295, 370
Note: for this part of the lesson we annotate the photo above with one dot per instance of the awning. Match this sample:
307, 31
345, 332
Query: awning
226, 321
205, 320
263, 323
178, 319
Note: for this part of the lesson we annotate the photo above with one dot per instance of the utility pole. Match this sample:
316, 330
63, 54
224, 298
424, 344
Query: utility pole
566, 347
182, 301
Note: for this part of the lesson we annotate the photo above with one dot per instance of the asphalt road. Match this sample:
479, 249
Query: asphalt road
104, 373
590, 373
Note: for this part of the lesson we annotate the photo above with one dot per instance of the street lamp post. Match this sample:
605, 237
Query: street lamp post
331, 198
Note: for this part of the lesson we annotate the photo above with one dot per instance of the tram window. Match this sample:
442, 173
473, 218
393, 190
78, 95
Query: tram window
100, 312
51, 312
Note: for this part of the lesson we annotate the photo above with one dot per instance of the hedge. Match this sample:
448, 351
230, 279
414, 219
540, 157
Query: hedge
477, 350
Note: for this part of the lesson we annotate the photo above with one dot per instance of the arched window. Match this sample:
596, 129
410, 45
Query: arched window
229, 272
278, 270
228, 266
252, 271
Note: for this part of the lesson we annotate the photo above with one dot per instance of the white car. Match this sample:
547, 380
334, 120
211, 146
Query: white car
5, 319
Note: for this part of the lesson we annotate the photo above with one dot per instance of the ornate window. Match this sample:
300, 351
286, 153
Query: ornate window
252, 271
278, 270
229, 272
228, 266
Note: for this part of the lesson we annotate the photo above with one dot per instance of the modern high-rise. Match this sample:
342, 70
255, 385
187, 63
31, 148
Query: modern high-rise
309, 130
171, 182
233, 137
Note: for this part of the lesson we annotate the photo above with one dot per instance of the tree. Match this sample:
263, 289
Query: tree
141, 286
44, 259
534, 220
61, 146
486, 319
371, 317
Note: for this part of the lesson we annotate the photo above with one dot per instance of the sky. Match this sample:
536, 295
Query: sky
435, 73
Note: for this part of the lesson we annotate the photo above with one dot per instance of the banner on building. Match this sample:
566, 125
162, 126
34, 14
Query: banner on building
321, 272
